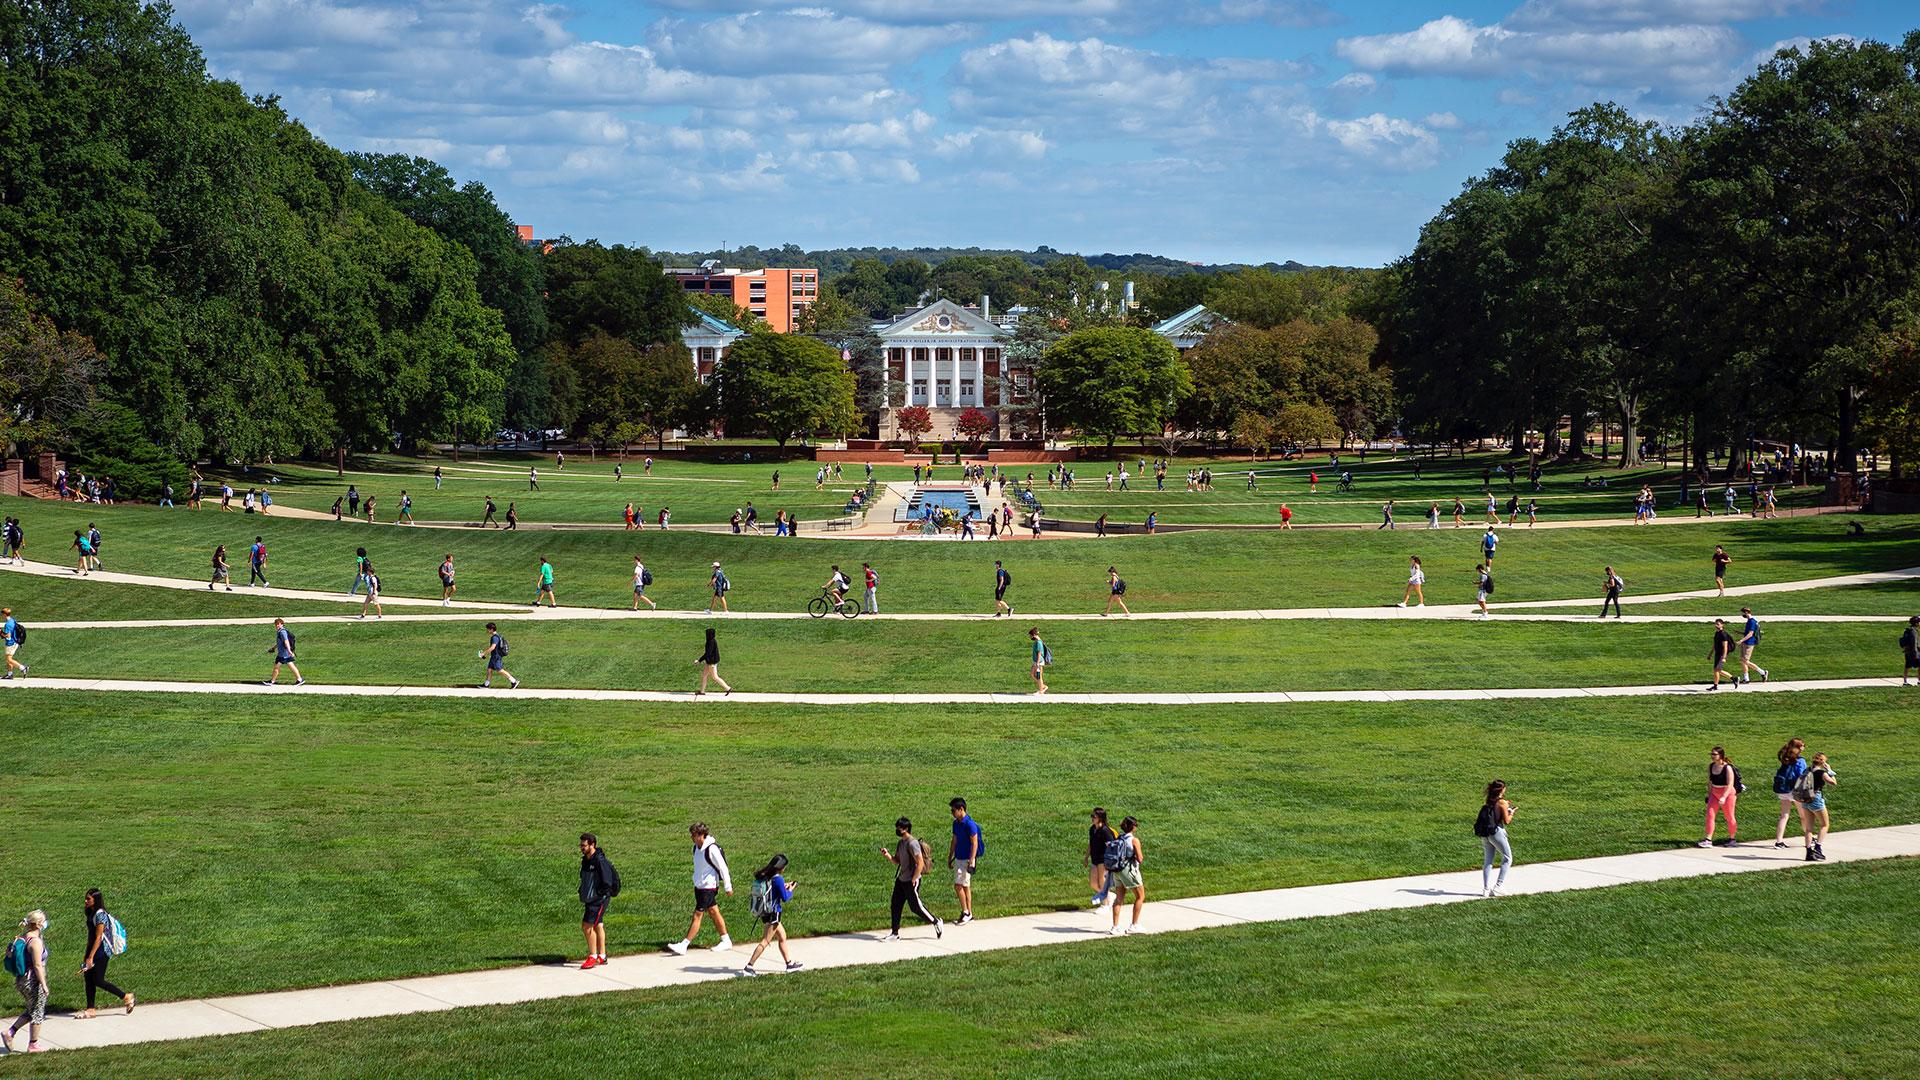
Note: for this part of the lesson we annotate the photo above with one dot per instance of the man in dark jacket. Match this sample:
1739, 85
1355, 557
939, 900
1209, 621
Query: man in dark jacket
598, 884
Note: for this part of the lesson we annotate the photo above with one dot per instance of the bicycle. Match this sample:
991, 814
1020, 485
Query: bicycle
818, 607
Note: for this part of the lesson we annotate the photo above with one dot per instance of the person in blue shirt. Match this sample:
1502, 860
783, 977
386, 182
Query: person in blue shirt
963, 856
1749, 641
11, 631
495, 654
283, 654
1792, 765
771, 892
257, 562
1487, 543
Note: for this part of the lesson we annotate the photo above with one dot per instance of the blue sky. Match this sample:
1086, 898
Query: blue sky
1214, 130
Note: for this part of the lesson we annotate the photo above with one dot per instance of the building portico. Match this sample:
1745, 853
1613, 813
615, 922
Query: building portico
948, 359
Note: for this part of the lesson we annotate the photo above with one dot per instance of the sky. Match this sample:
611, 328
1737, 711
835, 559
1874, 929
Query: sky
1325, 131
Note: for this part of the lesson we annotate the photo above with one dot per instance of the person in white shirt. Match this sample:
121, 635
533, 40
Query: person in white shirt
1416, 583
640, 585
710, 875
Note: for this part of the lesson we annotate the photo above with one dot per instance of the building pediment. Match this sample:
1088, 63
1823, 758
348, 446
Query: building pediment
942, 318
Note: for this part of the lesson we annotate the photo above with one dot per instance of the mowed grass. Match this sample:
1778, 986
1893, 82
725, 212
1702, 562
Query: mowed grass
1895, 598
261, 844
1193, 571
37, 599
876, 656
1605, 982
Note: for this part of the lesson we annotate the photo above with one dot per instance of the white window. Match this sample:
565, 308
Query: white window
919, 392
966, 392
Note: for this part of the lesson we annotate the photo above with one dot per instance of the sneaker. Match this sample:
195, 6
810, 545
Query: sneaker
1763, 675
1779, 843
794, 965
724, 944
966, 917
1810, 855
678, 948
1704, 843
896, 937
1402, 603
300, 682
1713, 686
1743, 680
939, 929
1498, 890
263, 682
748, 971
1820, 852
513, 684
1115, 932
1422, 603
1731, 842
589, 963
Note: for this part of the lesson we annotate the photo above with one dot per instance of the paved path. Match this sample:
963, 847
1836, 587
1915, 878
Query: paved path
440, 993
1230, 697
1379, 611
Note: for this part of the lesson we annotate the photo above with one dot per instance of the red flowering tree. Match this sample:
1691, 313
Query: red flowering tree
974, 424
914, 421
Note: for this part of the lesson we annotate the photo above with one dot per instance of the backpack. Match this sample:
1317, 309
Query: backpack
646, 577
760, 901
1488, 587
503, 644
1006, 579
115, 939
720, 581
1046, 655
1119, 586
1487, 820
613, 872
1781, 785
1619, 583
19, 633
1119, 853
16, 959
1739, 785
979, 842
1804, 789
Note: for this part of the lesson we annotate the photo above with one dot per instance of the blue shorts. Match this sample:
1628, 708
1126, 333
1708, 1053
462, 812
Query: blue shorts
1817, 803
496, 662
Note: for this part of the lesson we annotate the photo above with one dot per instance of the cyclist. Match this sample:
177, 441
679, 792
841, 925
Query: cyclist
837, 586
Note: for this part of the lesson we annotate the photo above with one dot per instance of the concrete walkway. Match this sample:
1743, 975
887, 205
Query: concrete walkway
440, 993
1384, 610
500, 692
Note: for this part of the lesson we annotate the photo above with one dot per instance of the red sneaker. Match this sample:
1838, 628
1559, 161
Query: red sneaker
590, 962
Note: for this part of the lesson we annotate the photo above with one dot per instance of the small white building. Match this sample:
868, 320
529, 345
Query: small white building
1190, 327
707, 341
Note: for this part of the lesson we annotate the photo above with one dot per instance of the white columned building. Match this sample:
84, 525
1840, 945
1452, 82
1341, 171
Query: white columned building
949, 359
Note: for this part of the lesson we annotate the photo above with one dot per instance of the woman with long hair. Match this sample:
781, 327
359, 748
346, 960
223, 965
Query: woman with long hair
1784, 779
1416, 583
1491, 827
32, 985
1723, 790
771, 891
710, 665
100, 925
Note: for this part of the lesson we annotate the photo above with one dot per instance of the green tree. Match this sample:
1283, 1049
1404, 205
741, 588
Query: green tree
619, 291
47, 377
1109, 381
782, 385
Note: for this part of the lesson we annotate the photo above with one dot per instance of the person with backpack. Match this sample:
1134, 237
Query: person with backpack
720, 586
1749, 641
495, 654
1488, 542
107, 939
1721, 649
282, 651
1809, 793
82, 553
543, 583
1785, 778
1002, 581
1116, 593
373, 591
1099, 834
26, 961
1042, 658
14, 635
447, 587
1122, 859
93, 542
1416, 583
406, 508
1723, 791
1613, 583
1484, 588
257, 563
1491, 827
1909, 648
710, 875
710, 665
963, 856
642, 577
771, 892
599, 884
910, 861
359, 571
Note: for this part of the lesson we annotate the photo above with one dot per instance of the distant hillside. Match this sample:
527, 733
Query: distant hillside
832, 261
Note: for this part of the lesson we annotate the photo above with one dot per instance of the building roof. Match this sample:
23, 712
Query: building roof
1192, 322
707, 324
942, 317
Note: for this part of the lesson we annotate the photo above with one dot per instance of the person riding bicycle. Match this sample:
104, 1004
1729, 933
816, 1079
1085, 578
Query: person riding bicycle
837, 586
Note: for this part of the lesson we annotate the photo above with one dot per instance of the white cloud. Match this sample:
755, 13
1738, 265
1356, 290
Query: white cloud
804, 40
1290, 13
1443, 121
1552, 15
992, 145
911, 12
1386, 140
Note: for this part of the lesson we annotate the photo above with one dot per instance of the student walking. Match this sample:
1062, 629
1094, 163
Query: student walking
257, 563
1491, 827
14, 637
872, 602
1042, 659
222, 574
1099, 834
710, 665
93, 542
1910, 648
1485, 587
910, 860
543, 584
495, 654
963, 855
1785, 778
1749, 641
1286, 517
359, 571
710, 875
406, 508
1722, 649
1116, 593
1433, 515
1001, 582
1809, 793
82, 553
768, 901
1123, 858
106, 939
1416, 583
436, 478
283, 654
513, 517
1723, 791
488, 519
447, 587
599, 884
1386, 515
718, 580
373, 591
642, 577
27, 963
1488, 542
1720, 561
1613, 583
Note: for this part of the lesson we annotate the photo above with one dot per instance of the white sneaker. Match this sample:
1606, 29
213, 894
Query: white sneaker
1402, 603
724, 944
1115, 932
1422, 603
1498, 890
1704, 843
896, 937
678, 948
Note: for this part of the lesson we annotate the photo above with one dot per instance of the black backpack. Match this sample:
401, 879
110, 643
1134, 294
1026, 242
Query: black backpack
19, 633
1489, 585
646, 576
1120, 586
1487, 820
613, 872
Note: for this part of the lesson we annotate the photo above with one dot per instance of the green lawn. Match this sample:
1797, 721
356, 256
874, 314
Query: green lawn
1898, 598
1789, 973
901, 657
260, 844
39, 599
1176, 571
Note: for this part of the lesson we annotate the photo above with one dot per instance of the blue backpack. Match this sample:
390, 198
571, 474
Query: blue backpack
1119, 853
16, 958
115, 939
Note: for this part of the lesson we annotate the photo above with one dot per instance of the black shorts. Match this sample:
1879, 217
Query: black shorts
706, 899
594, 914
999, 594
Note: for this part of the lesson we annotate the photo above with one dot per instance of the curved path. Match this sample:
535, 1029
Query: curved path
1380, 611
1233, 697
506, 986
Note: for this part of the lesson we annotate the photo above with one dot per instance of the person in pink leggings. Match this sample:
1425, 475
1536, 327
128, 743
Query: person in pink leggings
1723, 790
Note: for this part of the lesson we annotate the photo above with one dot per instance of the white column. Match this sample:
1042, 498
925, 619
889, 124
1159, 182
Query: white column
980, 377
954, 377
